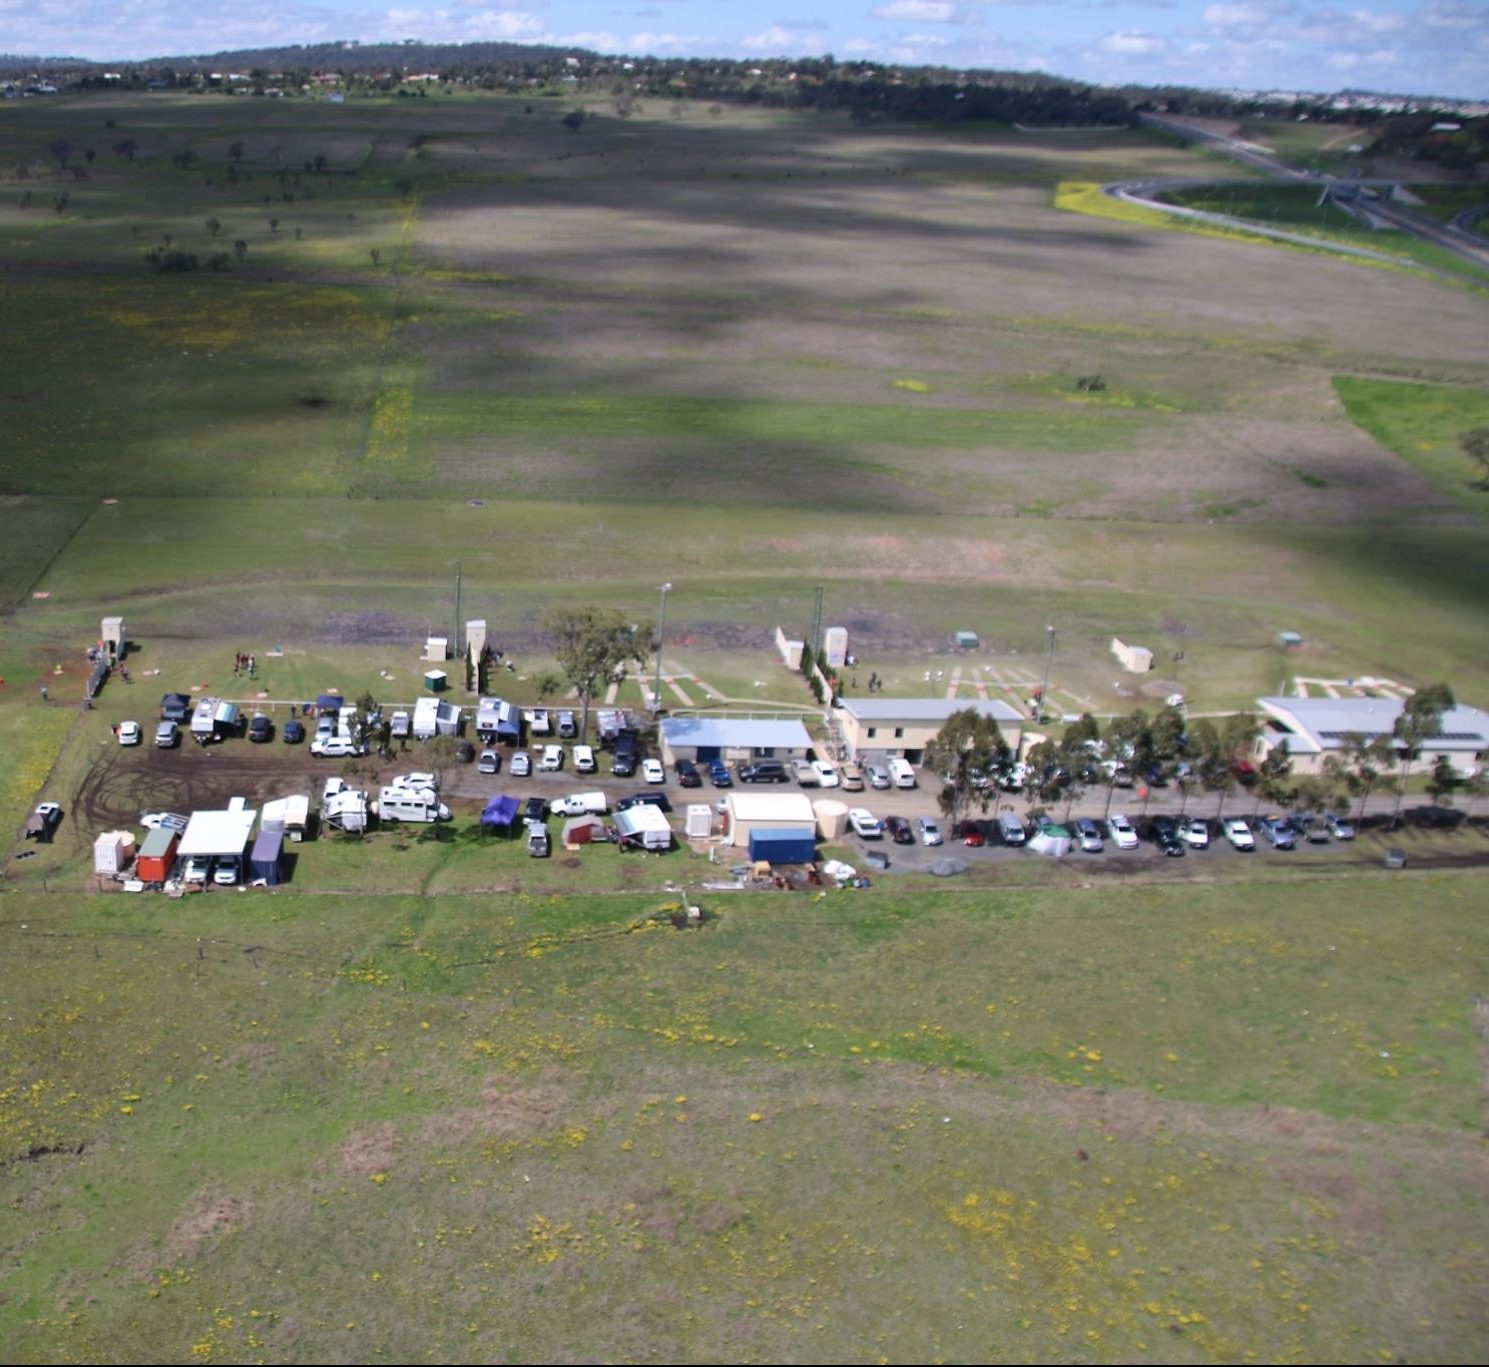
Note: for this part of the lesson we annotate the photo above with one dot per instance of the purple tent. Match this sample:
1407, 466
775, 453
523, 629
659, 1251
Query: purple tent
500, 811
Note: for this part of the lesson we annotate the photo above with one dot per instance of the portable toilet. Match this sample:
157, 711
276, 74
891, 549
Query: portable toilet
435, 680
699, 821
112, 639
967, 640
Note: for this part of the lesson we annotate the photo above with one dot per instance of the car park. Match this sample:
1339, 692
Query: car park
687, 774
1340, 827
764, 771
584, 759
336, 747
852, 777
866, 826
877, 775
260, 729
293, 733
129, 733
1165, 833
653, 771
930, 831
718, 774
658, 800
827, 773
227, 871
899, 830
1194, 831
490, 762
1278, 832
553, 759
1238, 833
1011, 829
167, 735
1088, 836
520, 765
1121, 830
970, 834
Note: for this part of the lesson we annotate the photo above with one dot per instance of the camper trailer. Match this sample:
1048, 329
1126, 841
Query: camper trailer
643, 827
212, 719
497, 720
410, 804
426, 718
288, 814
345, 810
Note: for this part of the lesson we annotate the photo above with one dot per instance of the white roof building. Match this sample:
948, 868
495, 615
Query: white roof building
219, 833
1310, 729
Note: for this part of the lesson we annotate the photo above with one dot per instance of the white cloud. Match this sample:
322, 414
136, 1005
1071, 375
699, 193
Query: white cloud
1377, 23
1237, 15
917, 11
773, 39
1126, 44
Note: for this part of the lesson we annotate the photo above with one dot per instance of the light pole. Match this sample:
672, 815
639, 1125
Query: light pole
656, 697
1178, 657
1049, 659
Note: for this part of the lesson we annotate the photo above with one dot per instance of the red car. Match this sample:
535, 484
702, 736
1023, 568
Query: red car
970, 833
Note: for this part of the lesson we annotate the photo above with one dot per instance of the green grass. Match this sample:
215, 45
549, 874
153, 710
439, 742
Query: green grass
426, 1118
1422, 424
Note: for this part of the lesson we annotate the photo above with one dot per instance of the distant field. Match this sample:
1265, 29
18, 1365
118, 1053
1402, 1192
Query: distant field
416, 1123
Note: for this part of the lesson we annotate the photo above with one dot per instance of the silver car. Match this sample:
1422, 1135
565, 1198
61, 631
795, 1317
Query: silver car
1088, 833
877, 775
930, 832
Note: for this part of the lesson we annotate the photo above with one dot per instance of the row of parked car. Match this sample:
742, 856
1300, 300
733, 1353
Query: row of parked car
814, 773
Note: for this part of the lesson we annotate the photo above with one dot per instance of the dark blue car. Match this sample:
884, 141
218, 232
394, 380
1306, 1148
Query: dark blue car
718, 774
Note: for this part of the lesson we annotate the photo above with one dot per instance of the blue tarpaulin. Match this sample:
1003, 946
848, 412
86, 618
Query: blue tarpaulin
791, 845
330, 702
499, 811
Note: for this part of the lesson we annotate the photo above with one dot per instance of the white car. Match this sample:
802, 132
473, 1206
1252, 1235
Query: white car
827, 774
584, 759
520, 765
1124, 837
490, 762
415, 782
198, 869
1195, 832
537, 722
1238, 833
153, 821
877, 775
902, 772
229, 869
553, 759
652, 771
336, 747
129, 733
930, 832
865, 824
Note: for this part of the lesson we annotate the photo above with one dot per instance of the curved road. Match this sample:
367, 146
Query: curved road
1454, 236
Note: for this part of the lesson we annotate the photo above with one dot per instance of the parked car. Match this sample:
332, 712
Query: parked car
1011, 829
1088, 836
534, 809
827, 773
553, 759
153, 821
490, 762
1121, 830
902, 772
44, 822
293, 733
930, 831
336, 747
399, 726
718, 774
520, 765
804, 774
1310, 827
129, 733
580, 804
899, 830
227, 871
970, 833
1194, 831
568, 727
1340, 827
687, 774
414, 782
260, 729
866, 826
1165, 832
167, 735
198, 869
653, 771
1238, 833
764, 771
658, 800
584, 759
877, 775
852, 777
1279, 834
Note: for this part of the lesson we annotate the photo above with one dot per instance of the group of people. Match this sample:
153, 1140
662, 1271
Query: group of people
244, 664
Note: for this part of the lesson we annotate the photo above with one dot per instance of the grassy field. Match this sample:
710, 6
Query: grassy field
409, 1125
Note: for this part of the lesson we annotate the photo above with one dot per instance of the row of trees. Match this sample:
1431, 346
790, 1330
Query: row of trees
1202, 756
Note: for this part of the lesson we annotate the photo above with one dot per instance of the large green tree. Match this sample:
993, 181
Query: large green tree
591, 644
1419, 720
971, 756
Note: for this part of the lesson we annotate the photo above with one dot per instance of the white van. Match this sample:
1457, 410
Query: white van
901, 772
407, 804
553, 759
584, 759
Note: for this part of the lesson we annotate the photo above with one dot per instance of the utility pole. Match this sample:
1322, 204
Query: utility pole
1049, 659
455, 636
656, 697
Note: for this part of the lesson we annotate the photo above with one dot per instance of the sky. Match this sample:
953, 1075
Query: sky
1437, 47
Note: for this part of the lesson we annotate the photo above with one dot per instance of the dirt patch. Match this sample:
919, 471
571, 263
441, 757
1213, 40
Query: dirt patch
255, 1057
1481, 1029
210, 1217
367, 1152
505, 1109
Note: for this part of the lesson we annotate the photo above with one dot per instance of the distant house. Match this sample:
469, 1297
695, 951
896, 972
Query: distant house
880, 726
1310, 729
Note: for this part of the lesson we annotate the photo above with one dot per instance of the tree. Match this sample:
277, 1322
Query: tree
375, 255
970, 755
591, 644
1366, 758
214, 226
441, 754
61, 152
574, 120
235, 151
1475, 444
240, 249
1130, 742
1273, 775
1419, 720
366, 718
1443, 782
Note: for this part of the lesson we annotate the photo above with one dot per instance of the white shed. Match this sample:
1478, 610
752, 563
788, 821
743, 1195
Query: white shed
112, 852
749, 812
1134, 659
699, 821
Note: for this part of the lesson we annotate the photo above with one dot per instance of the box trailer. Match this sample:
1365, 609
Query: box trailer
346, 810
784, 845
288, 814
643, 827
